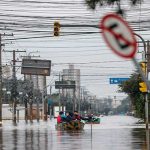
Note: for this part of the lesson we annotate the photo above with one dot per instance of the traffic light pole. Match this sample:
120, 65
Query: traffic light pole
145, 79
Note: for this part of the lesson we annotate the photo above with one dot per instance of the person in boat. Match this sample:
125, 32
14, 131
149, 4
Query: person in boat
61, 117
76, 116
68, 117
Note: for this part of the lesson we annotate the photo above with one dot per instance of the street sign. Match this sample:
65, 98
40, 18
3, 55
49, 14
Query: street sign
118, 35
66, 84
117, 80
36, 67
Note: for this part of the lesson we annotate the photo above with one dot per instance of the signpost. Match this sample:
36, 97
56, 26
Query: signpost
118, 35
36, 67
65, 84
120, 38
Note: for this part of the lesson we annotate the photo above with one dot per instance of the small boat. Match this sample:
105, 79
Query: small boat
72, 125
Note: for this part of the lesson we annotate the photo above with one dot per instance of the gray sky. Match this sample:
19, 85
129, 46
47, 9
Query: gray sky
31, 22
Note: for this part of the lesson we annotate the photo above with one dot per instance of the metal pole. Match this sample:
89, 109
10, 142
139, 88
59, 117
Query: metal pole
14, 82
146, 111
0, 80
148, 86
25, 104
145, 78
50, 107
37, 107
59, 96
62, 95
26, 110
45, 99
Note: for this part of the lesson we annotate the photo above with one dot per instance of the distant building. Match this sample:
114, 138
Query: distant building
72, 74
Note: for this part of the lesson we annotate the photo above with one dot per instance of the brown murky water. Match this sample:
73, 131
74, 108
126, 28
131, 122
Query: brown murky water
114, 133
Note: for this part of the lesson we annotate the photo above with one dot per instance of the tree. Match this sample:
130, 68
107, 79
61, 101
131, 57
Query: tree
131, 88
93, 3
124, 107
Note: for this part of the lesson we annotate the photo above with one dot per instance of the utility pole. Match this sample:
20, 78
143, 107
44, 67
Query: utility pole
0, 80
45, 99
14, 94
146, 101
147, 59
1, 74
15, 85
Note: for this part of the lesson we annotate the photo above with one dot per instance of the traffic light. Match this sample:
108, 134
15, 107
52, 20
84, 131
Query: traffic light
56, 28
143, 67
143, 87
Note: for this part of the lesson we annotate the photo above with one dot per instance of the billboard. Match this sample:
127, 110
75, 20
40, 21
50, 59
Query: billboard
66, 84
36, 67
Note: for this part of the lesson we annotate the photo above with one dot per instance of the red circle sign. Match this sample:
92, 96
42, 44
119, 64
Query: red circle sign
118, 35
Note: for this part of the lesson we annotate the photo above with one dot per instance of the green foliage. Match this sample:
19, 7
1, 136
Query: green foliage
140, 106
124, 107
131, 87
93, 3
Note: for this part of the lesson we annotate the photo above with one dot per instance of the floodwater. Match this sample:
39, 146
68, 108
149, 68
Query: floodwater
114, 133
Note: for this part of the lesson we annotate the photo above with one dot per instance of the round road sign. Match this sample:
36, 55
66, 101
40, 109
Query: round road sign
118, 35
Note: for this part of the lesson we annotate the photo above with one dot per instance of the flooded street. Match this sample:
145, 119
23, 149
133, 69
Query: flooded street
114, 133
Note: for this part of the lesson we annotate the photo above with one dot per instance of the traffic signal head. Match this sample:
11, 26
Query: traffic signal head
143, 87
56, 28
143, 67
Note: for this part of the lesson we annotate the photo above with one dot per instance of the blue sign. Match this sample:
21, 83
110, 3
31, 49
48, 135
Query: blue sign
117, 80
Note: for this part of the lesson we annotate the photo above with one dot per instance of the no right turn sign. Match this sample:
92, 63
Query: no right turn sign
118, 35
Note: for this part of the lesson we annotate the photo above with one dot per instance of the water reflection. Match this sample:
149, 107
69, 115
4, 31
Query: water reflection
141, 139
148, 139
1, 139
15, 139
37, 137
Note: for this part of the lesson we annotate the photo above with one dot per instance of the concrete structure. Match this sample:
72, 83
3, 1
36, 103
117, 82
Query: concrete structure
72, 74
7, 112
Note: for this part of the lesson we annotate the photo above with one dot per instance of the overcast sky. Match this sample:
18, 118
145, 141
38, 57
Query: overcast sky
31, 22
